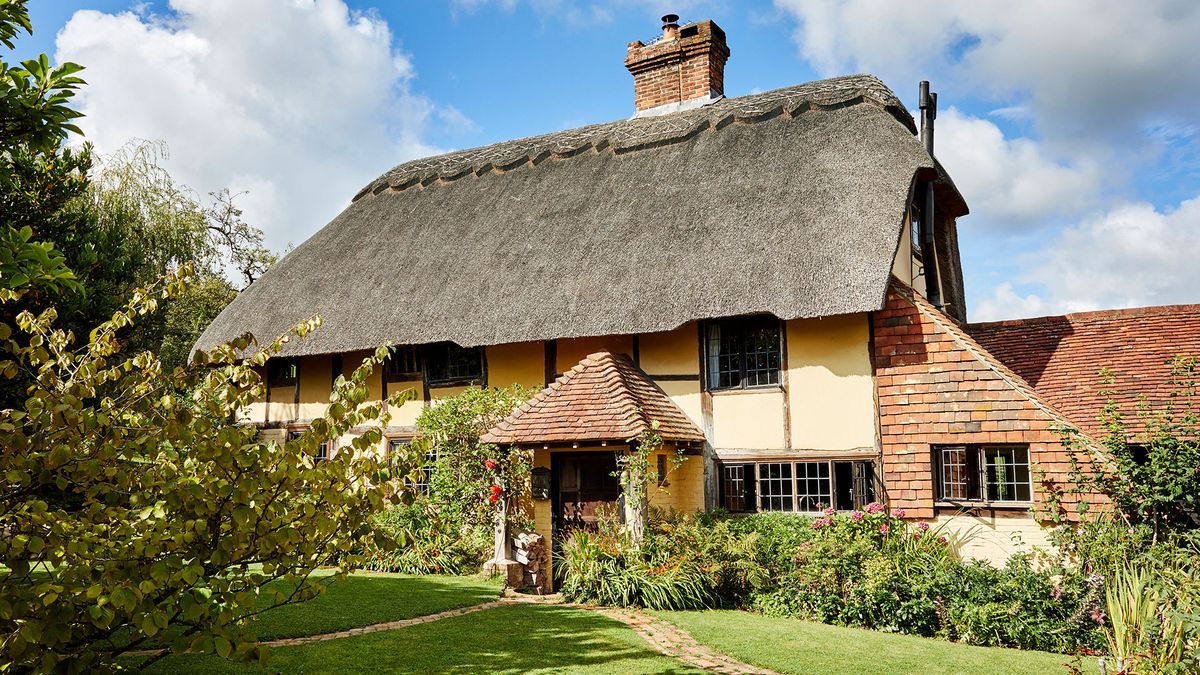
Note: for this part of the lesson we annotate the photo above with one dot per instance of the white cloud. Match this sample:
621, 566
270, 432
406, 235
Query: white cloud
1088, 67
299, 102
1130, 256
1010, 182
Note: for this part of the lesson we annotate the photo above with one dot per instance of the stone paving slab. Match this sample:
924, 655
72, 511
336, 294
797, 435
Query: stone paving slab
669, 639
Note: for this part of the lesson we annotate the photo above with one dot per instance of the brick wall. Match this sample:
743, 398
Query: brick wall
937, 386
674, 70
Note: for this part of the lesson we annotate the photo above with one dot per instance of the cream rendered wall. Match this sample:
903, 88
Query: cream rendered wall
906, 266
830, 390
316, 379
522, 363
684, 490
994, 536
675, 352
748, 420
570, 351
405, 414
282, 404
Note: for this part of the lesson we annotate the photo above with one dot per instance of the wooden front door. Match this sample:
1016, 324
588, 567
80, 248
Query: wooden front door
583, 482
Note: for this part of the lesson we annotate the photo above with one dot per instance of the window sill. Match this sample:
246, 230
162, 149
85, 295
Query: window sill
984, 506
467, 382
730, 391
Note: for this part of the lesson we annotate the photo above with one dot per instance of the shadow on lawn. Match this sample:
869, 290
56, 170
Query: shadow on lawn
510, 639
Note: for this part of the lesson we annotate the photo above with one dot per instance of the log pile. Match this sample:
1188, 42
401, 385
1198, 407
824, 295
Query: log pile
529, 549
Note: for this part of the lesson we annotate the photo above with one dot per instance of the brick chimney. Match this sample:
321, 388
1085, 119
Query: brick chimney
685, 68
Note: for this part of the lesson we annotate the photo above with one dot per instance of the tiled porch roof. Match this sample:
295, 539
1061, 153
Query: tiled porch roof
603, 398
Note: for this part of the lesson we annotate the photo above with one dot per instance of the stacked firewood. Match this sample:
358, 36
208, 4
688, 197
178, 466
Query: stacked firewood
529, 549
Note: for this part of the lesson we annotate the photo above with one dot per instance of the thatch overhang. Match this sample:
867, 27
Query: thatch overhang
604, 397
789, 202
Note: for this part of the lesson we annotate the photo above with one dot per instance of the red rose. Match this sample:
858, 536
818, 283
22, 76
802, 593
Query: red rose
496, 489
494, 498
490, 464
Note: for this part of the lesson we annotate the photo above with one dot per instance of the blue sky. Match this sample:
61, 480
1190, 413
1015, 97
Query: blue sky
1069, 126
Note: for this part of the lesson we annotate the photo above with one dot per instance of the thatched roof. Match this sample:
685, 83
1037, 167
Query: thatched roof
788, 202
603, 398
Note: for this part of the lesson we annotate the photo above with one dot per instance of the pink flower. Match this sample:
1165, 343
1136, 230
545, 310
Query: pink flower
897, 513
917, 536
490, 464
830, 511
817, 524
856, 516
942, 539
1097, 616
924, 527
883, 529
874, 507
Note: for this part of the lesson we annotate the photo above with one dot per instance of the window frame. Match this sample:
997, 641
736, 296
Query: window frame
324, 448
978, 478
403, 364
798, 484
277, 381
434, 353
421, 487
742, 326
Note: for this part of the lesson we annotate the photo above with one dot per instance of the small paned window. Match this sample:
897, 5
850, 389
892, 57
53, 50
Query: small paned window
424, 474
814, 489
403, 364
447, 363
282, 372
322, 449
916, 223
775, 486
800, 487
742, 353
734, 494
984, 473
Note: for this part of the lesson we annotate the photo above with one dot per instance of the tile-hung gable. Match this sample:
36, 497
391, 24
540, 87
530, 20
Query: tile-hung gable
789, 202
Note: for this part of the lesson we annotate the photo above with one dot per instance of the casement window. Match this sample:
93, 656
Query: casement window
396, 448
322, 449
984, 473
404, 364
282, 372
447, 363
742, 353
916, 222
800, 487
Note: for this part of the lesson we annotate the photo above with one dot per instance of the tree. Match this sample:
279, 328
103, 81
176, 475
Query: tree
134, 509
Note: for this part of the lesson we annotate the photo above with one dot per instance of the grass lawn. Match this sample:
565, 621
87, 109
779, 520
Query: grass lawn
365, 598
791, 646
511, 639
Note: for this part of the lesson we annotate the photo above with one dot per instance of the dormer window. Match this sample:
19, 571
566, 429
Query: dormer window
743, 353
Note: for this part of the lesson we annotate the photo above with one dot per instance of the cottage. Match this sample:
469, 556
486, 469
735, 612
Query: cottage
773, 281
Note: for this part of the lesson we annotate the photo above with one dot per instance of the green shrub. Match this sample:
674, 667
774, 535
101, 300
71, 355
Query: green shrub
425, 543
606, 571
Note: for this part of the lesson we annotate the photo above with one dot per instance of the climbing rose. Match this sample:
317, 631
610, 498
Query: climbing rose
494, 498
924, 527
897, 513
496, 489
490, 464
874, 507
883, 529
856, 516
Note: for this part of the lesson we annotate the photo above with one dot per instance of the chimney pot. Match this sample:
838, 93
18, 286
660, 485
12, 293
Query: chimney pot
670, 26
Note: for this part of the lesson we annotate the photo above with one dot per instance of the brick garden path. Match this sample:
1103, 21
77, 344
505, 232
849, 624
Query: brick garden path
669, 639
